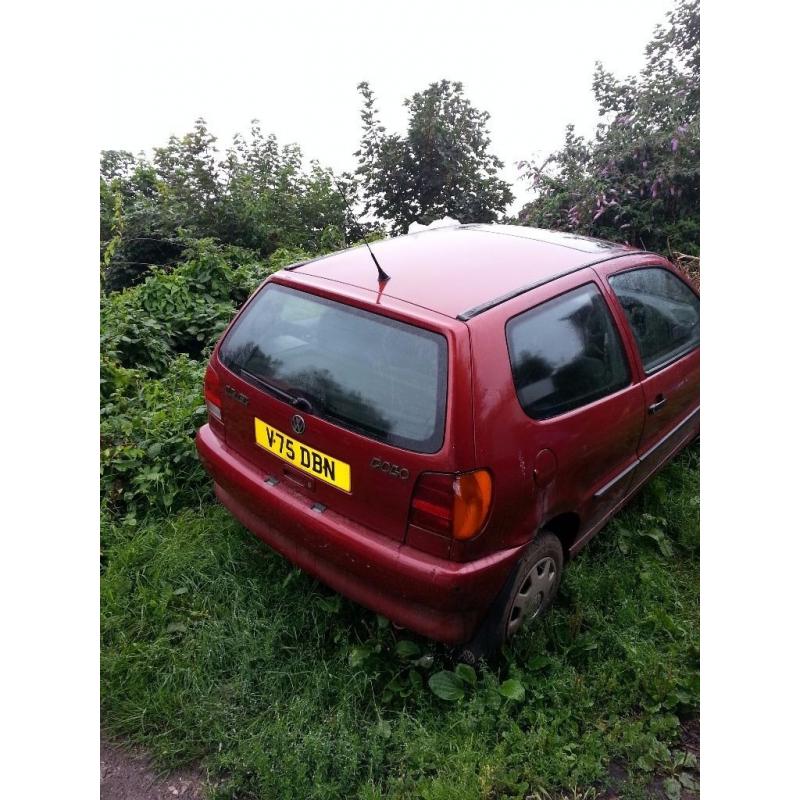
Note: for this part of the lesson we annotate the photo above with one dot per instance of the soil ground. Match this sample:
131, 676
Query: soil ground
618, 775
127, 774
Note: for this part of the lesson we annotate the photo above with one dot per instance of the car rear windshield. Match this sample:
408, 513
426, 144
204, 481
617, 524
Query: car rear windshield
377, 376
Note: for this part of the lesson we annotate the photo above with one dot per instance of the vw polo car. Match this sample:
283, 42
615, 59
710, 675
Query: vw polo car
435, 424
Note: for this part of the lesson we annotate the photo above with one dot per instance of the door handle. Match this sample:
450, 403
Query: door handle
660, 402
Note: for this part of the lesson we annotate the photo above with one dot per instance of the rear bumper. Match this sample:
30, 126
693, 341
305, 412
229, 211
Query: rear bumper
438, 598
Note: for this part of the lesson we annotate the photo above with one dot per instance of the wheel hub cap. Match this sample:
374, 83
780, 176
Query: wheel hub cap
533, 593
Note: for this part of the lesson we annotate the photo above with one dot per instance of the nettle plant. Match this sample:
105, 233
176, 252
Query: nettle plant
405, 669
147, 457
155, 339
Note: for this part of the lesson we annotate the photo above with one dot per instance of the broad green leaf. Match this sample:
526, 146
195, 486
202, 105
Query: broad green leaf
358, 655
407, 649
446, 685
330, 605
467, 674
537, 663
384, 728
672, 788
645, 762
512, 689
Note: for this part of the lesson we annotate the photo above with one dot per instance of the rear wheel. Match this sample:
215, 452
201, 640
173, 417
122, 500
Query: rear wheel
527, 595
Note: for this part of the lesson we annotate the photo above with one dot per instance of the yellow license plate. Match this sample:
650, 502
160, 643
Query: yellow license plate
306, 458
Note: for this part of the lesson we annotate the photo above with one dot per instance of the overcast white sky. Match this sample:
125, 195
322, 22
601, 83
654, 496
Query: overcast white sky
296, 66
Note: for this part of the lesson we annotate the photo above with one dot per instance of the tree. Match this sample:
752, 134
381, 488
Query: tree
137, 229
269, 200
259, 196
442, 166
638, 180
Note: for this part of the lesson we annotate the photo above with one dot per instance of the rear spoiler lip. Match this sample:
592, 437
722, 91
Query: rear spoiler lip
307, 261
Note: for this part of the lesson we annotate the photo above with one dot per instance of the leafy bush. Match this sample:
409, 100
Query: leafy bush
129, 340
181, 311
258, 196
155, 338
186, 309
638, 180
148, 461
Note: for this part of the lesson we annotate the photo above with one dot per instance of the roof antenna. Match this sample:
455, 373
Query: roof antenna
382, 276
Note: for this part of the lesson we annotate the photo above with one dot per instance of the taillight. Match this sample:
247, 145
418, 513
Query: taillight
212, 394
454, 505
432, 503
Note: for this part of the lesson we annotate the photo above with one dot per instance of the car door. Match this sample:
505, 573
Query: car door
663, 316
574, 382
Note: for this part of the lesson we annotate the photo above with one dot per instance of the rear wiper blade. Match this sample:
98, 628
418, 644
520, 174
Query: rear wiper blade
295, 400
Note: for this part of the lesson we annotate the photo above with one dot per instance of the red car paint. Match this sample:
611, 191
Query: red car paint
568, 473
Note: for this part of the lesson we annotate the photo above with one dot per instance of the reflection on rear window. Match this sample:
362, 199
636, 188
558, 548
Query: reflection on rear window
383, 378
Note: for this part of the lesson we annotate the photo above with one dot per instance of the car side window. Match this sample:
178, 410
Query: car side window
566, 353
663, 312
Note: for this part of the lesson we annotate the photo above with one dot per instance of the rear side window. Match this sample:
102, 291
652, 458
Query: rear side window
566, 353
663, 312
374, 375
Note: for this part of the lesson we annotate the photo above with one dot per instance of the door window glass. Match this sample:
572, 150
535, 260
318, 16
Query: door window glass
663, 312
566, 353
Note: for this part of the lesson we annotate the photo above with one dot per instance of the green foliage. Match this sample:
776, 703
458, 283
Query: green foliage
137, 228
258, 196
155, 338
638, 180
215, 648
447, 685
177, 312
185, 310
147, 456
442, 166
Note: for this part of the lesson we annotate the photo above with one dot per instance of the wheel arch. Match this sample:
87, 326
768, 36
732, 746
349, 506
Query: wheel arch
565, 527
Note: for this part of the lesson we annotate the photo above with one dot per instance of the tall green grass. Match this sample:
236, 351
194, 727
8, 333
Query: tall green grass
216, 649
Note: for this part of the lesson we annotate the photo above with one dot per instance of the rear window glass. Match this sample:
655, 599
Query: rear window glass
377, 376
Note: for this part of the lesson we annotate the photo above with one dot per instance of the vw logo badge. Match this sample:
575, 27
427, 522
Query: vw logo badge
298, 424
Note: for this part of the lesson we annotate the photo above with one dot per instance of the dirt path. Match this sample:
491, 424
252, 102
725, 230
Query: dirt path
127, 774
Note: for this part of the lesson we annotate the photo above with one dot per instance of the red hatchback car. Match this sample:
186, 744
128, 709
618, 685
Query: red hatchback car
434, 442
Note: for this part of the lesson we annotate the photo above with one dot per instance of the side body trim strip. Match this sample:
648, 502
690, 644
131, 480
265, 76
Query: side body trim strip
604, 489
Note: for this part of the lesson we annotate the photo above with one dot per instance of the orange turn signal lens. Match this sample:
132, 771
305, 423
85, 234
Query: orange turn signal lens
473, 497
452, 504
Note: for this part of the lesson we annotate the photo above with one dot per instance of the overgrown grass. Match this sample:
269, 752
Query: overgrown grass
214, 648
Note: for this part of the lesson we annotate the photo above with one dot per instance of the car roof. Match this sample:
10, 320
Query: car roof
462, 270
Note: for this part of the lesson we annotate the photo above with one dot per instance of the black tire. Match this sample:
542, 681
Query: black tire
506, 615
